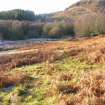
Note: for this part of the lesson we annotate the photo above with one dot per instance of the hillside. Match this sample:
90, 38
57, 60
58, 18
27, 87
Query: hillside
81, 8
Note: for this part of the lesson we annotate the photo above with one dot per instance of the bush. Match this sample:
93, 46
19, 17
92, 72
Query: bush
46, 29
57, 30
34, 31
17, 30
68, 29
90, 25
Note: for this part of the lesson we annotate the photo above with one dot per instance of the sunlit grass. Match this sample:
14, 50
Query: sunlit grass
34, 92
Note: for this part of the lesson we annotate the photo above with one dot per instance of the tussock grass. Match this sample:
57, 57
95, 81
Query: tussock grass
89, 50
91, 90
58, 73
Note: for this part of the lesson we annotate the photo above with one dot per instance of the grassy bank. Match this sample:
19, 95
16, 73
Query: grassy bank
67, 73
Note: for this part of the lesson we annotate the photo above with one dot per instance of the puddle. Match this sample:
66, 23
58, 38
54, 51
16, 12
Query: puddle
8, 88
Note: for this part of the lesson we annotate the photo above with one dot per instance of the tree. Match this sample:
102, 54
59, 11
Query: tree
17, 14
90, 25
58, 30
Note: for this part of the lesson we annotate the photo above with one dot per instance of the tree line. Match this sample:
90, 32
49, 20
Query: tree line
17, 30
20, 24
90, 25
21, 15
17, 14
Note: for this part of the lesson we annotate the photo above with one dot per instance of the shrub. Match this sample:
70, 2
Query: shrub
34, 30
57, 30
90, 25
46, 29
16, 30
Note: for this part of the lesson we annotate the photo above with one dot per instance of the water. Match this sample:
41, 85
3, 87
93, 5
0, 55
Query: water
8, 88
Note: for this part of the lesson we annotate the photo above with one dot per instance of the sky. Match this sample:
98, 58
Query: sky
38, 6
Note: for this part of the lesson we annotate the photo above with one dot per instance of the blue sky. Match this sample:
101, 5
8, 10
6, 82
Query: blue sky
38, 6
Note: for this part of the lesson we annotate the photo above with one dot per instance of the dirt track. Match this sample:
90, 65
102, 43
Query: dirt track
4, 53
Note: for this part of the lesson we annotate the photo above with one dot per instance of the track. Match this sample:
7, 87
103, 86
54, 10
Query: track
13, 52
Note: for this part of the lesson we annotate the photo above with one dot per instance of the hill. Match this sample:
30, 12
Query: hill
87, 16
81, 8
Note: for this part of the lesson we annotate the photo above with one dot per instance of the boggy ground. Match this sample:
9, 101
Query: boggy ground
55, 73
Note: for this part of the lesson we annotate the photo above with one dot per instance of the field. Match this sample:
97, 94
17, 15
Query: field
65, 72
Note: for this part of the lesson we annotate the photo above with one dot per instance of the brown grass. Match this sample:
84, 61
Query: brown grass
8, 79
89, 91
90, 50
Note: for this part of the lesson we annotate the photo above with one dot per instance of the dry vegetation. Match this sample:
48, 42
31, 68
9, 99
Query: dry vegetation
7, 79
65, 70
89, 50
89, 91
